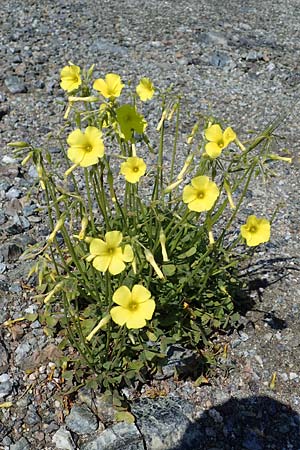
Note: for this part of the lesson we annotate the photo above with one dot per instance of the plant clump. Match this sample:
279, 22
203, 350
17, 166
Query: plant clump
142, 253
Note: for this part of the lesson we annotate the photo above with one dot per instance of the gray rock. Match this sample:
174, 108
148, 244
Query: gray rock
214, 37
81, 420
21, 444
10, 252
15, 85
3, 359
21, 352
2, 217
161, 422
13, 193
2, 267
32, 417
253, 56
220, 60
118, 437
63, 439
6, 385
32, 172
103, 407
105, 46
8, 160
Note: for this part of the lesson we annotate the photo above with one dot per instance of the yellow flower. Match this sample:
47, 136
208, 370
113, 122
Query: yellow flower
133, 169
85, 148
201, 195
108, 255
111, 87
218, 140
130, 120
145, 89
70, 78
256, 231
135, 306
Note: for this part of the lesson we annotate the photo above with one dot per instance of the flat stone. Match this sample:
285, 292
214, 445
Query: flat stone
10, 252
161, 422
21, 444
63, 439
15, 85
81, 420
5, 385
3, 359
119, 437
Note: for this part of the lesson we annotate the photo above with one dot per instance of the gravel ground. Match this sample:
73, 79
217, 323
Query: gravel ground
239, 60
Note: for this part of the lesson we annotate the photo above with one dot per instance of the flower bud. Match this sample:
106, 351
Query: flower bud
103, 322
280, 158
163, 118
84, 224
57, 227
192, 135
152, 262
229, 195
162, 240
186, 165
26, 159
172, 186
18, 144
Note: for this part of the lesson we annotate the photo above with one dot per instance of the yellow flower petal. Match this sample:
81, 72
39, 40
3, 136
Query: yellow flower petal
89, 159
148, 309
98, 247
140, 293
135, 321
77, 138
122, 296
213, 150
189, 194
100, 85
197, 205
76, 154
120, 315
93, 133
113, 238
128, 253
214, 133
228, 136
116, 265
101, 263
200, 182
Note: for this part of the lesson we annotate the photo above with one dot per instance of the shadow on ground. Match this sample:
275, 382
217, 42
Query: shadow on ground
254, 423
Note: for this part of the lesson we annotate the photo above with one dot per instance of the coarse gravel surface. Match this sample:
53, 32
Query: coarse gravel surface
239, 60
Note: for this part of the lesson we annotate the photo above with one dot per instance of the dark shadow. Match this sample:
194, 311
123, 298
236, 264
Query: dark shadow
253, 423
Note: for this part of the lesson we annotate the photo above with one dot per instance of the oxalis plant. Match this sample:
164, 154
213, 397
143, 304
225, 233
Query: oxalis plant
144, 250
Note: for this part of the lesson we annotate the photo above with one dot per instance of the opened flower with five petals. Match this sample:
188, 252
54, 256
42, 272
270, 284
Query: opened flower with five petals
130, 121
218, 140
133, 169
145, 89
201, 194
70, 78
111, 87
108, 254
135, 307
256, 231
85, 147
